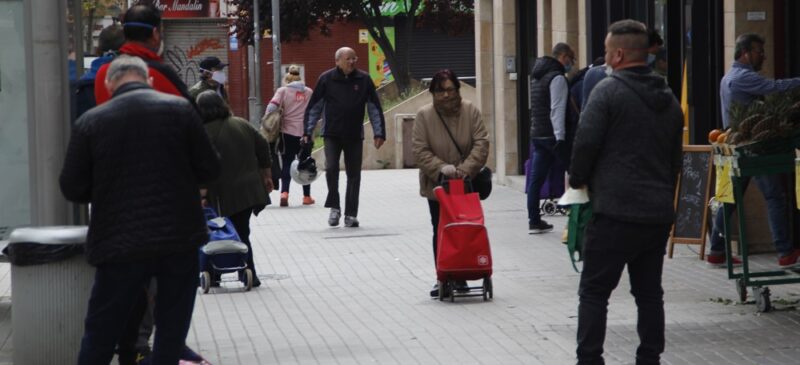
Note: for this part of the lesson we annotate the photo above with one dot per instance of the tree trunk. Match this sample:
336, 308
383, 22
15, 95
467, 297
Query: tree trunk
398, 59
89, 30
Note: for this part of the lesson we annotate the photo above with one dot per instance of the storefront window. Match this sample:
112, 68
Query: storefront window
15, 205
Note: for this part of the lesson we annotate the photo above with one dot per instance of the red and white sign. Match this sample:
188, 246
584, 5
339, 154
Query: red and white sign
188, 8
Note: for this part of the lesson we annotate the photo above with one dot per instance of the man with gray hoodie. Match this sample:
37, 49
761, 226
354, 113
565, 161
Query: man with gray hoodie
627, 152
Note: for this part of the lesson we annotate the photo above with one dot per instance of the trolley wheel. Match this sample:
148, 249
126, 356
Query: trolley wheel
762, 299
205, 281
741, 289
485, 290
442, 287
451, 286
487, 283
549, 207
248, 279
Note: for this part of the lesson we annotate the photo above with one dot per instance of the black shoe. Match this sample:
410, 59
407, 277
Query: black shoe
462, 287
540, 227
256, 282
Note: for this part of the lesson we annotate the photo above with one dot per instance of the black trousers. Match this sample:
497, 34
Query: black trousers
117, 286
433, 206
609, 246
353, 151
241, 222
291, 147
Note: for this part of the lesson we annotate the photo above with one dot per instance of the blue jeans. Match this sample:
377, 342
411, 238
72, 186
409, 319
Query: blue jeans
353, 150
544, 156
609, 246
118, 285
774, 193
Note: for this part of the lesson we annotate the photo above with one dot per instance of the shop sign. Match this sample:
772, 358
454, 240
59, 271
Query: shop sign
188, 8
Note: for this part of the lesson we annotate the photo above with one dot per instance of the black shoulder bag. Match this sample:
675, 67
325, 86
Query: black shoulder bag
482, 183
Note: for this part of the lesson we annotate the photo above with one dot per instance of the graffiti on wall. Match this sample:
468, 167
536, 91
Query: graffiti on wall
187, 62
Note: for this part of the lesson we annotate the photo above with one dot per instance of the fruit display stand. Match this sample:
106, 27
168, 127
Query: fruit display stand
775, 156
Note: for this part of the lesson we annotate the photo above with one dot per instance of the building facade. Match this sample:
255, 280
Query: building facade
511, 34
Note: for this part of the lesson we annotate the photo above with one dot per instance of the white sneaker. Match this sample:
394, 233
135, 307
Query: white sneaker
333, 218
350, 221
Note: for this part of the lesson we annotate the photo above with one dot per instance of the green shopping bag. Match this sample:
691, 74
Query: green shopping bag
579, 215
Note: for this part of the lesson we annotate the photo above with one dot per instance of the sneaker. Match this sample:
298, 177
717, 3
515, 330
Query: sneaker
719, 260
540, 227
333, 218
350, 221
790, 260
285, 199
462, 287
307, 200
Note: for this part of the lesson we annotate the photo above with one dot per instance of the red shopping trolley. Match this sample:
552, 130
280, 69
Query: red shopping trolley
463, 251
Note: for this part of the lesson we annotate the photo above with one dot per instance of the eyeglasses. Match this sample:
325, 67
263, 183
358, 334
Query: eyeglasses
449, 90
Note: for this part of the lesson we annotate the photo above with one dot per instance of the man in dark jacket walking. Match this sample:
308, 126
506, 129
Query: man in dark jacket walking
339, 99
549, 100
628, 153
138, 159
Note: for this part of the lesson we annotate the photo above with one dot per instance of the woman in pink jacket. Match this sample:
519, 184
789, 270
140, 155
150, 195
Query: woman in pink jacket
293, 98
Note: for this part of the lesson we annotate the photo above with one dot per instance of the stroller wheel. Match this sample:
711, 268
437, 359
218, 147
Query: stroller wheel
549, 207
248, 279
205, 281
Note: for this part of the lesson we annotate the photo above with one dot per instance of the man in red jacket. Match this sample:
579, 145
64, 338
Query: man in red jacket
142, 28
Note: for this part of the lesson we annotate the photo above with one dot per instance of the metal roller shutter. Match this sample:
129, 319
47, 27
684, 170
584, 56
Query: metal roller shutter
432, 51
188, 41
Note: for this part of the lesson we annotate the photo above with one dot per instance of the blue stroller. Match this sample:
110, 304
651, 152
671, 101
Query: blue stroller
224, 253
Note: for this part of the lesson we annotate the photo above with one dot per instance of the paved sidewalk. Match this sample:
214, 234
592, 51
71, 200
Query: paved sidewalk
360, 295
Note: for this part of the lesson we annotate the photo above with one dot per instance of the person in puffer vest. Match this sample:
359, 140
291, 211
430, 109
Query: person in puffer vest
549, 100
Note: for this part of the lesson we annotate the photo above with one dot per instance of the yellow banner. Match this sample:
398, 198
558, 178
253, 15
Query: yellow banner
724, 188
797, 181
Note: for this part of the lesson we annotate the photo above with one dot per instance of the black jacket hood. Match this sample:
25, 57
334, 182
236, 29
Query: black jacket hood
651, 87
545, 65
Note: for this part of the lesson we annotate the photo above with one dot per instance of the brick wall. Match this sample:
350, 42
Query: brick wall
237, 80
316, 54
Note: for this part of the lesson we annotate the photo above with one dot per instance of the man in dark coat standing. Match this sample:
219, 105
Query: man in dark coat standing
628, 153
549, 102
139, 159
339, 100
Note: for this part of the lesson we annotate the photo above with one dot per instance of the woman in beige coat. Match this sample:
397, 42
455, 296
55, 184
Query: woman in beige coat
434, 150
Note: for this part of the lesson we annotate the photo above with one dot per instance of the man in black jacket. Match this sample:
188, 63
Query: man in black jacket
628, 153
339, 99
549, 100
138, 159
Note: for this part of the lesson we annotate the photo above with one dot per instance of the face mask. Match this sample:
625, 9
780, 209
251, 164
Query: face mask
567, 68
160, 51
651, 58
609, 70
219, 77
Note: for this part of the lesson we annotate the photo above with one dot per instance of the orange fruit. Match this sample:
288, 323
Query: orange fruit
714, 135
722, 138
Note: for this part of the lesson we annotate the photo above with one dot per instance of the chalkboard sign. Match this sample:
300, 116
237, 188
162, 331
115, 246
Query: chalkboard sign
691, 198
